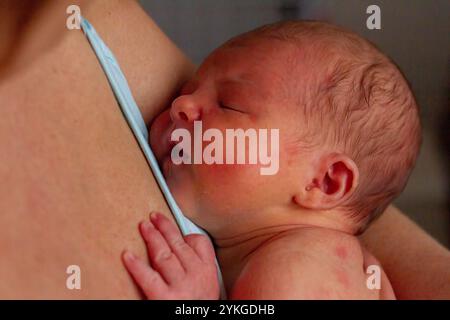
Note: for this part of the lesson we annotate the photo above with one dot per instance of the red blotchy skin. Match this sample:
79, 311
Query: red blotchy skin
342, 277
341, 252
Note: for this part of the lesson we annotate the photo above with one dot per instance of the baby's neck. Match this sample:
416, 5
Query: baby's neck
235, 249
234, 252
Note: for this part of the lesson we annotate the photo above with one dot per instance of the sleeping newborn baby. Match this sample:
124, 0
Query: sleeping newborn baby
349, 134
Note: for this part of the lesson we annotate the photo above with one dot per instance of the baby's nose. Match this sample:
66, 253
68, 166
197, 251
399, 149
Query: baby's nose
185, 110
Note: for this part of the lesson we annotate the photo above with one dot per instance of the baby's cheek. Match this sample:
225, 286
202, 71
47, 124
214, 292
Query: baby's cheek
230, 174
228, 182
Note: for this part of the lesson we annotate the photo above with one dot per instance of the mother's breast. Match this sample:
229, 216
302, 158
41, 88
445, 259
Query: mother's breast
74, 183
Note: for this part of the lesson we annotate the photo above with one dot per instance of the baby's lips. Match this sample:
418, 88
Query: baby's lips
159, 142
159, 128
167, 142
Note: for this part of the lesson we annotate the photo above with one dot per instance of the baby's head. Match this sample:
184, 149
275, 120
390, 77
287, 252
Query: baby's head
349, 130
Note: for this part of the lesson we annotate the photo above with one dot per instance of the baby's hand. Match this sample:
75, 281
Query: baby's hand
180, 268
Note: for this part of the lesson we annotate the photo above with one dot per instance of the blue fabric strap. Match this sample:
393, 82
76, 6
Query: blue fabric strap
136, 123
134, 118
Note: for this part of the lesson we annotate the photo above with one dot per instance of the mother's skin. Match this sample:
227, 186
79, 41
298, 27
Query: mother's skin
74, 183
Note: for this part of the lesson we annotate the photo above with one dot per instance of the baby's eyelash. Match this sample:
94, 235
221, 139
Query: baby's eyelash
229, 108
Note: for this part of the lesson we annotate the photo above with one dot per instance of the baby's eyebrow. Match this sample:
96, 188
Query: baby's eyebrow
241, 79
248, 82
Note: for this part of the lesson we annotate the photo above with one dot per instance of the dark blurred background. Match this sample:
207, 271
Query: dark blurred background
415, 34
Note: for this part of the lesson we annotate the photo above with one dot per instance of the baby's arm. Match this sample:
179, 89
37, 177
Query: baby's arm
180, 267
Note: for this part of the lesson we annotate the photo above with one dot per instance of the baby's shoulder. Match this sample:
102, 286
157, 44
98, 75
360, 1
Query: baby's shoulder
307, 263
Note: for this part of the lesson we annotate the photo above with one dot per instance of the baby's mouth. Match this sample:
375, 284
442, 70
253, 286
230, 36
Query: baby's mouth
168, 146
166, 142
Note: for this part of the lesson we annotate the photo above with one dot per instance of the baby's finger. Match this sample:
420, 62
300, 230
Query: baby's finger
161, 256
174, 239
202, 246
146, 278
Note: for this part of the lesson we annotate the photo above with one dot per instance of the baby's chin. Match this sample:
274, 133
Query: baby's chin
186, 201
180, 186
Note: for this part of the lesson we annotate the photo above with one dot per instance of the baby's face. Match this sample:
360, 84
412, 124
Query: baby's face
235, 87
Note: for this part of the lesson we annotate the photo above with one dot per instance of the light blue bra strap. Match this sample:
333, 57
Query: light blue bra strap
134, 118
136, 123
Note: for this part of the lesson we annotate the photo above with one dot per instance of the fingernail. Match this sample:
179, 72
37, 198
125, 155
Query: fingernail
146, 225
154, 216
129, 256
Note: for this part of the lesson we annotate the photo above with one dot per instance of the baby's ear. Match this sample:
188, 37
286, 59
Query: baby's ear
334, 182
